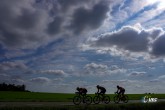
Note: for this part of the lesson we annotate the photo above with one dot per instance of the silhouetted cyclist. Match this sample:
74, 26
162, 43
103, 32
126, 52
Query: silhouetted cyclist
120, 90
82, 91
101, 90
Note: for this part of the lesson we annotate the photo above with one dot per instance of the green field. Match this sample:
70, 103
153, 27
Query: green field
6, 96
57, 97
34, 96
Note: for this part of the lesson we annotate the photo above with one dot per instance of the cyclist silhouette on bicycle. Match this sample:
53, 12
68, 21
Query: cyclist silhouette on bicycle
82, 96
101, 90
120, 90
82, 91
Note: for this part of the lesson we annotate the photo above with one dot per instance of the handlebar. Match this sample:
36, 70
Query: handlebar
116, 93
77, 93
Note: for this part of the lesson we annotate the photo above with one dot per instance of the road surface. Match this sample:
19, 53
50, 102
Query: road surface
42, 104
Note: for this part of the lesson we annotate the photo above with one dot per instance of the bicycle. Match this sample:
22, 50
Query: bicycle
118, 97
80, 98
101, 97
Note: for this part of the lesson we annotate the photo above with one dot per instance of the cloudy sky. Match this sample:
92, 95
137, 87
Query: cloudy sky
57, 45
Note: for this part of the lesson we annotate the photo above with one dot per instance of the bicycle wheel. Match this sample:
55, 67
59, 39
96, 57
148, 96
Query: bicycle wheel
125, 99
77, 100
106, 99
88, 100
96, 99
116, 99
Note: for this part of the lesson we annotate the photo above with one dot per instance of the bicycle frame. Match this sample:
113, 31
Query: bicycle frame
82, 98
121, 97
100, 95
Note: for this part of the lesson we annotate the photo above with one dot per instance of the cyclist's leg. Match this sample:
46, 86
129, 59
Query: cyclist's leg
123, 91
120, 94
102, 93
83, 95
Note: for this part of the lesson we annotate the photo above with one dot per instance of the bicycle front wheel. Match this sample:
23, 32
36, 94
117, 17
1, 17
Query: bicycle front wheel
116, 99
125, 99
96, 99
88, 100
77, 100
106, 99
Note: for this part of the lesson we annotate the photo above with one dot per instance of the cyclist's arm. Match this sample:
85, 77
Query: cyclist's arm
77, 92
117, 91
97, 90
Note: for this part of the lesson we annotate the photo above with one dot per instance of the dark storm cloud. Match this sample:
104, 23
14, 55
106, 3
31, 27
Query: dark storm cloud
127, 38
30, 23
89, 18
133, 40
159, 46
54, 26
20, 23
66, 4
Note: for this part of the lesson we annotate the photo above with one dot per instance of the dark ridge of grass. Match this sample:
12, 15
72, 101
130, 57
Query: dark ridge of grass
132, 106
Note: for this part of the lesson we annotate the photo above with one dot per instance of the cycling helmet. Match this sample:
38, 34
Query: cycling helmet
117, 86
97, 86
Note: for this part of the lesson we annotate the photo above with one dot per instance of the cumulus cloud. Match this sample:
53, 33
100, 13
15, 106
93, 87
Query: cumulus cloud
14, 79
102, 69
5, 66
54, 26
95, 66
54, 72
158, 46
95, 69
18, 81
161, 77
131, 40
127, 38
29, 24
21, 24
135, 73
14, 76
40, 80
57, 80
89, 18
116, 69
4, 77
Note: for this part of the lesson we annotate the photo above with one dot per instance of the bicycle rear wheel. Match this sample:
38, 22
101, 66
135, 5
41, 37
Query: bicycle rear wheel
88, 100
116, 99
96, 99
77, 100
125, 99
106, 99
